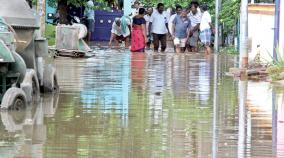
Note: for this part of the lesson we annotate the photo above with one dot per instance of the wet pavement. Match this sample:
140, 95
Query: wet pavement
133, 105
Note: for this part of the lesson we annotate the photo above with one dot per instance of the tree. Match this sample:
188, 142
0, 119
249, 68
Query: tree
229, 15
62, 5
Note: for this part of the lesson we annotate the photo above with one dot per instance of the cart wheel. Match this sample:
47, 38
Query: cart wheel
30, 85
14, 99
50, 83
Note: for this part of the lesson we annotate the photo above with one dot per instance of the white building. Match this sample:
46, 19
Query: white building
261, 18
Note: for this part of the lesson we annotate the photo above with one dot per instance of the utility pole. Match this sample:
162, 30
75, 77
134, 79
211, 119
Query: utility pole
217, 10
242, 95
41, 11
244, 34
276, 29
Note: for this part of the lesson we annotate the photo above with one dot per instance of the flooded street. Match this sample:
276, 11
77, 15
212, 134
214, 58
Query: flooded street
133, 105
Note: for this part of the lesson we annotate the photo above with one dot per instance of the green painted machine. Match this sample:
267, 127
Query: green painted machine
25, 65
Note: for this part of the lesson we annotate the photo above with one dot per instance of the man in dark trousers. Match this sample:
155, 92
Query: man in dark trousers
158, 26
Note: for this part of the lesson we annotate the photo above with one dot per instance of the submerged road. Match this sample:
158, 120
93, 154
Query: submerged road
133, 105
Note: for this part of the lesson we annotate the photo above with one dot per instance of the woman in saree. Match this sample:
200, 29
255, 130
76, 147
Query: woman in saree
138, 39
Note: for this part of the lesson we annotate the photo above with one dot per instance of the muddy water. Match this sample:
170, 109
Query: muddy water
123, 105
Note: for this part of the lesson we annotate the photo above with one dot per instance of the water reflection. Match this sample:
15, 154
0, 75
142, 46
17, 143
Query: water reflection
278, 124
215, 109
106, 84
242, 120
135, 105
23, 133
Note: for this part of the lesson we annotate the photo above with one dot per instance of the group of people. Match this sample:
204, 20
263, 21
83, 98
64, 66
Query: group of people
186, 27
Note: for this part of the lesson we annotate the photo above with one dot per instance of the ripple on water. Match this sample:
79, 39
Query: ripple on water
124, 105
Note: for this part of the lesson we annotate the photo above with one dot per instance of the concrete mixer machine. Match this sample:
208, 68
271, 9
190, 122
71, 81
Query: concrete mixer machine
25, 65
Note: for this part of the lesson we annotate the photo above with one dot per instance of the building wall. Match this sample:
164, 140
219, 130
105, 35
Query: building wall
260, 30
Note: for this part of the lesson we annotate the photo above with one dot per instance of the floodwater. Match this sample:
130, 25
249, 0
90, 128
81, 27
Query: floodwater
133, 105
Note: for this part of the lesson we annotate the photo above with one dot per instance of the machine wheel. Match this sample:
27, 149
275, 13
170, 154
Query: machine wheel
30, 85
50, 83
14, 99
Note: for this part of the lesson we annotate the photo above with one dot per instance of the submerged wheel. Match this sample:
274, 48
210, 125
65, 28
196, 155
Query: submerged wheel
30, 85
50, 83
14, 99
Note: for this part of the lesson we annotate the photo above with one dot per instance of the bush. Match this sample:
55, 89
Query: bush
229, 50
276, 68
50, 34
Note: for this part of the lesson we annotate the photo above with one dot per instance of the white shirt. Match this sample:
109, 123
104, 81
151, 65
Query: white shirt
159, 22
118, 31
171, 20
134, 12
147, 19
195, 18
205, 20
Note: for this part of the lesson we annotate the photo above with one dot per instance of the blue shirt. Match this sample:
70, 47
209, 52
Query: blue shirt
181, 26
89, 11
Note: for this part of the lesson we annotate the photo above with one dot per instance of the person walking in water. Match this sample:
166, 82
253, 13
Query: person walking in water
205, 29
181, 26
158, 26
120, 31
195, 19
172, 17
147, 18
139, 36
177, 11
90, 14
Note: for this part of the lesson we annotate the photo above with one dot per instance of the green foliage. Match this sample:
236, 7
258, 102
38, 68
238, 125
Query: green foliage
50, 34
173, 3
229, 14
74, 2
229, 50
103, 4
276, 69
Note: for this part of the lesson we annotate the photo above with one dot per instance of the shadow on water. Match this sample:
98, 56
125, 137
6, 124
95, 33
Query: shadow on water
134, 105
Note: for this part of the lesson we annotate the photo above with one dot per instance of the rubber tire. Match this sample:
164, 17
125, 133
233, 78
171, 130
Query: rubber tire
50, 83
10, 98
30, 85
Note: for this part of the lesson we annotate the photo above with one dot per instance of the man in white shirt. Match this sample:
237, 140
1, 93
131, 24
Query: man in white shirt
147, 19
135, 9
195, 19
120, 31
158, 26
205, 29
